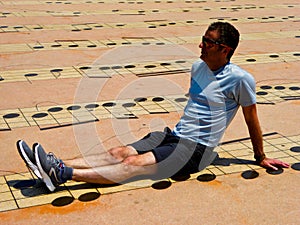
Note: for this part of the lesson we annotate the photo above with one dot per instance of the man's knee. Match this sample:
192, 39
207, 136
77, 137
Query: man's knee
140, 160
121, 152
132, 160
118, 153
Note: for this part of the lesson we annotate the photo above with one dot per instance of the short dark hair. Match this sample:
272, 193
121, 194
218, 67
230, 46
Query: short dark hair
228, 35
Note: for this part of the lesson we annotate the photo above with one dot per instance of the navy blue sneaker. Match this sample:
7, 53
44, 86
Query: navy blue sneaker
50, 167
28, 156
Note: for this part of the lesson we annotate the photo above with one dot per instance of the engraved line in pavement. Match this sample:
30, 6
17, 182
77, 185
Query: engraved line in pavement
152, 68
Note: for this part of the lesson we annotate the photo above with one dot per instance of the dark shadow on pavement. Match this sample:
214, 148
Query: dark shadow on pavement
228, 161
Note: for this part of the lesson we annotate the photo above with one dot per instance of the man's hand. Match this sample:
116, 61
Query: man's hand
273, 164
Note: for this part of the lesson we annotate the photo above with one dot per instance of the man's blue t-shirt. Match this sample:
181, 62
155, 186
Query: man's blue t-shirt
214, 100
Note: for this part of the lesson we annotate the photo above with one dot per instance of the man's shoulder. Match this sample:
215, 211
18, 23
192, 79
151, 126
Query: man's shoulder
240, 76
199, 65
235, 67
237, 71
198, 62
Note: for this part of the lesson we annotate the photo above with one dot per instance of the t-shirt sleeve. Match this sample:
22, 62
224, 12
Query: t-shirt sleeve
245, 93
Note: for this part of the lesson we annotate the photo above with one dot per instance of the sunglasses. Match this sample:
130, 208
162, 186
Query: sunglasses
209, 42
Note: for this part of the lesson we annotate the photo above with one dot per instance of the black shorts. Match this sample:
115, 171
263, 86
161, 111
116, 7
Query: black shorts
175, 156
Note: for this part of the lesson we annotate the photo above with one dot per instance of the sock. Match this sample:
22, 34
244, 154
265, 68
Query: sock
67, 174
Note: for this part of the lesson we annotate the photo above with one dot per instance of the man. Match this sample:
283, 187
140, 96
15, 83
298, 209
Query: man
217, 89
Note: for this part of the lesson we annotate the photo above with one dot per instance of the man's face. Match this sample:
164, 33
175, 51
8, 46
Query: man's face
211, 53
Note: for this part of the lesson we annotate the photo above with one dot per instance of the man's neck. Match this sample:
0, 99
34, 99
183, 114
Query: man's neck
216, 67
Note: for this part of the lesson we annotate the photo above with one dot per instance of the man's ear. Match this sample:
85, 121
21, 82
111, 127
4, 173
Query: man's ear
226, 51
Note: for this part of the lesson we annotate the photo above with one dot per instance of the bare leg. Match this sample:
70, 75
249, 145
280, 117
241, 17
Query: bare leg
132, 166
111, 157
91, 161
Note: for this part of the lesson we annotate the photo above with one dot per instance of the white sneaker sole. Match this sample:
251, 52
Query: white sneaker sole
45, 177
28, 162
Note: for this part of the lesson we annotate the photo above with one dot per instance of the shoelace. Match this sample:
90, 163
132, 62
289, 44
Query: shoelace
53, 159
57, 164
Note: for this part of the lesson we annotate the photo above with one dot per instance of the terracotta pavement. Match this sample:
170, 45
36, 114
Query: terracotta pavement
82, 76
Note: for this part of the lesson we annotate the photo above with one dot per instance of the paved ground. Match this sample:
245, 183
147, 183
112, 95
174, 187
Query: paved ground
82, 76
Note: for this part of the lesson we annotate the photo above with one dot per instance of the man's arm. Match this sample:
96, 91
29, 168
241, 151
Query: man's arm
251, 118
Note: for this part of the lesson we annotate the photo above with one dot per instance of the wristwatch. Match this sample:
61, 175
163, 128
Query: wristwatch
259, 158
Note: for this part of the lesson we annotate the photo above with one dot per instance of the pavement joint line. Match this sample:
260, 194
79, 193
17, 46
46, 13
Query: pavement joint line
185, 9
12, 2
139, 69
151, 24
28, 2
22, 190
59, 116
130, 41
